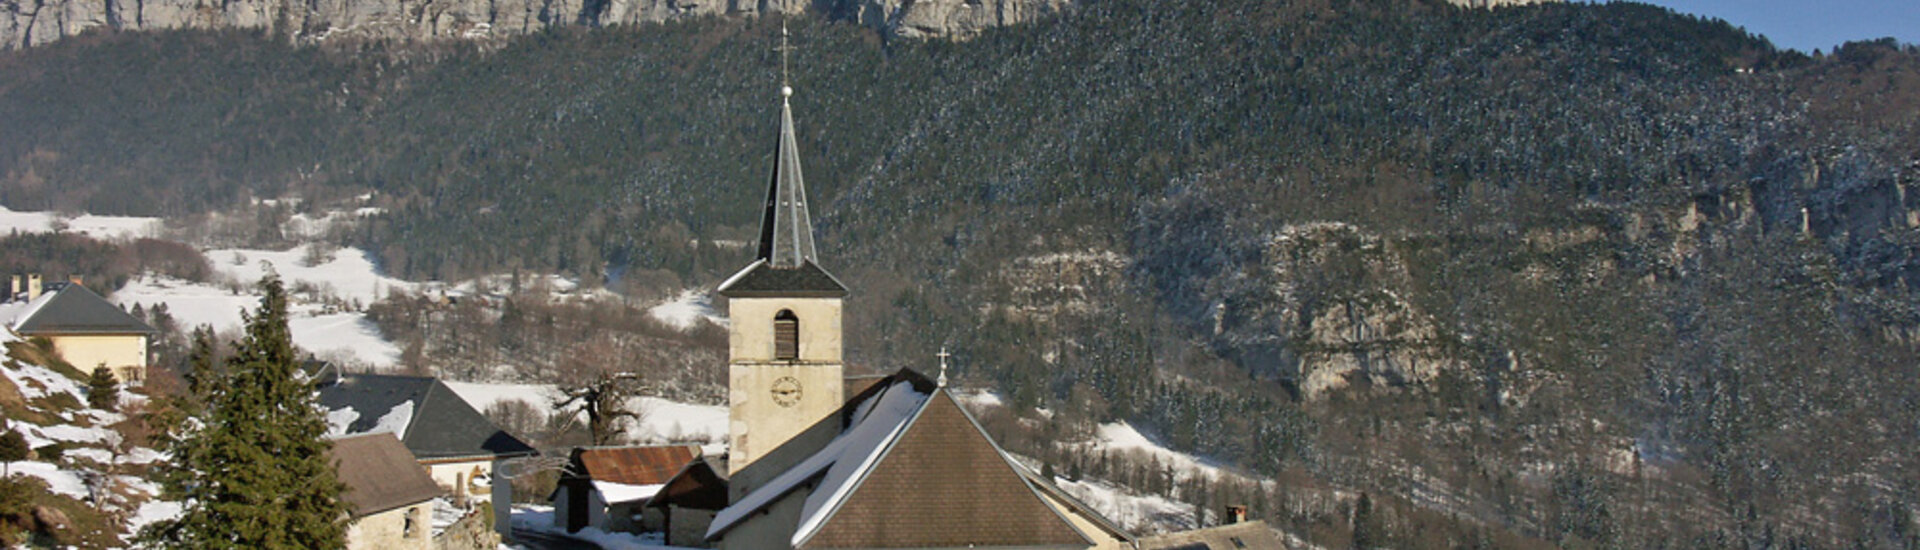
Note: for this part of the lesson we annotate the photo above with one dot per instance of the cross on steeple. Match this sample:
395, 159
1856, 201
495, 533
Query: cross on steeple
943, 355
786, 89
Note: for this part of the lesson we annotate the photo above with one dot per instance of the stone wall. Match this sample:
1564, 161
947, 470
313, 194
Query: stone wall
469, 533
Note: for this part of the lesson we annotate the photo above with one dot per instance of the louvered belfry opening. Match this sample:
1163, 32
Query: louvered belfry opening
786, 336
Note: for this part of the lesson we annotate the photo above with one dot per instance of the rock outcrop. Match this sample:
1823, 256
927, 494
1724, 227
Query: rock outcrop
27, 23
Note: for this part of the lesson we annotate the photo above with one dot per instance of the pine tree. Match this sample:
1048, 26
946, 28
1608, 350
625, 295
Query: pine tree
1363, 534
202, 373
255, 474
103, 390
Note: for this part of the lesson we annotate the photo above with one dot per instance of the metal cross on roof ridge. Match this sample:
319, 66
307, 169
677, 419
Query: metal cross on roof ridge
943, 355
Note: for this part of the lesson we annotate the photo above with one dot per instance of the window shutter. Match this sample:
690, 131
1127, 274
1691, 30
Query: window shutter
786, 336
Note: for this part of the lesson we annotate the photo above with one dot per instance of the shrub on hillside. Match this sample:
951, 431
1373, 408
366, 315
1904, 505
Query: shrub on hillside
103, 390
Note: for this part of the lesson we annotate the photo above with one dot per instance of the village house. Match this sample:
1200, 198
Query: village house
685, 507
389, 498
86, 330
1237, 534
459, 448
608, 487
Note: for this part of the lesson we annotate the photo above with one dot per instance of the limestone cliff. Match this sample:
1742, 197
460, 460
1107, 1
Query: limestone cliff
27, 23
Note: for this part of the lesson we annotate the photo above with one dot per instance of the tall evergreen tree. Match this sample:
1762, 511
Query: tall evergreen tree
255, 473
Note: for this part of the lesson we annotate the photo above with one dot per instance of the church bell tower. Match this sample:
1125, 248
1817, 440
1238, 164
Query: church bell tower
784, 364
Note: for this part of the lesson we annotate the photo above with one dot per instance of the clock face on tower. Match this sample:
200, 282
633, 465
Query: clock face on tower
786, 391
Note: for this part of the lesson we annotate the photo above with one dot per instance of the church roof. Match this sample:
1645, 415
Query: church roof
786, 264
761, 279
912, 469
75, 310
786, 230
434, 422
380, 474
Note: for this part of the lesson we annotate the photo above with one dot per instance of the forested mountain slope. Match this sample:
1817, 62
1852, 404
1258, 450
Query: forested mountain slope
1586, 273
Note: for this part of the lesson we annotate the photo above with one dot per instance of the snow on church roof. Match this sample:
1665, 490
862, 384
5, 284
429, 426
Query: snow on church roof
877, 421
910, 451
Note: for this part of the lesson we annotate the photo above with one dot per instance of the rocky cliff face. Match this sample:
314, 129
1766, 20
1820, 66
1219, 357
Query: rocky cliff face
27, 23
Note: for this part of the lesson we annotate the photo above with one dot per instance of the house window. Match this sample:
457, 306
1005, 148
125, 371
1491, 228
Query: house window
786, 336
412, 527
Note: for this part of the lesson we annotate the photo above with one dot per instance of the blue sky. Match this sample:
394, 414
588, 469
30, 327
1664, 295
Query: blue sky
1806, 25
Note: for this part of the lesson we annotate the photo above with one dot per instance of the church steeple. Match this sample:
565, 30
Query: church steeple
786, 230
783, 342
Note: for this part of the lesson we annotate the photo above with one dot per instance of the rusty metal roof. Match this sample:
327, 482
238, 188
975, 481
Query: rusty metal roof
651, 465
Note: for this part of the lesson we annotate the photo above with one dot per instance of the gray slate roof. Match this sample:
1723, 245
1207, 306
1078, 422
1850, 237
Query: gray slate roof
442, 425
786, 230
76, 310
761, 279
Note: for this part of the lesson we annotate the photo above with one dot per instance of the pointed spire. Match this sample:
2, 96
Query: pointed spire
786, 230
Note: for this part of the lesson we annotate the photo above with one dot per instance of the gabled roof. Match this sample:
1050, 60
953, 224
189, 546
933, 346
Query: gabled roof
1251, 535
649, 465
76, 310
912, 469
380, 474
699, 486
434, 422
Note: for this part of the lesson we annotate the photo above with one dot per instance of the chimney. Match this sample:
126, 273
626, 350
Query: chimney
1236, 513
74, 280
18, 287
33, 287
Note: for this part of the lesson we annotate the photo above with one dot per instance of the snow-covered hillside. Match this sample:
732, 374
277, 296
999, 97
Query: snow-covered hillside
99, 227
661, 420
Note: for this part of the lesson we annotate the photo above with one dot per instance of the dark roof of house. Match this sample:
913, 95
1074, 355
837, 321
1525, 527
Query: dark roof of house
761, 279
76, 310
699, 486
441, 424
380, 474
650, 465
1251, 535
909, 451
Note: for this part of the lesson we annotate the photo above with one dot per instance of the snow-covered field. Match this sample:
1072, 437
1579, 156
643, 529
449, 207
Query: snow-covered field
686, 309
99, 227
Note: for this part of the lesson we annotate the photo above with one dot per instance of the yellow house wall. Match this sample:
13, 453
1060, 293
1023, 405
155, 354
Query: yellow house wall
751, 321
456, 476
118, 352
387, 530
